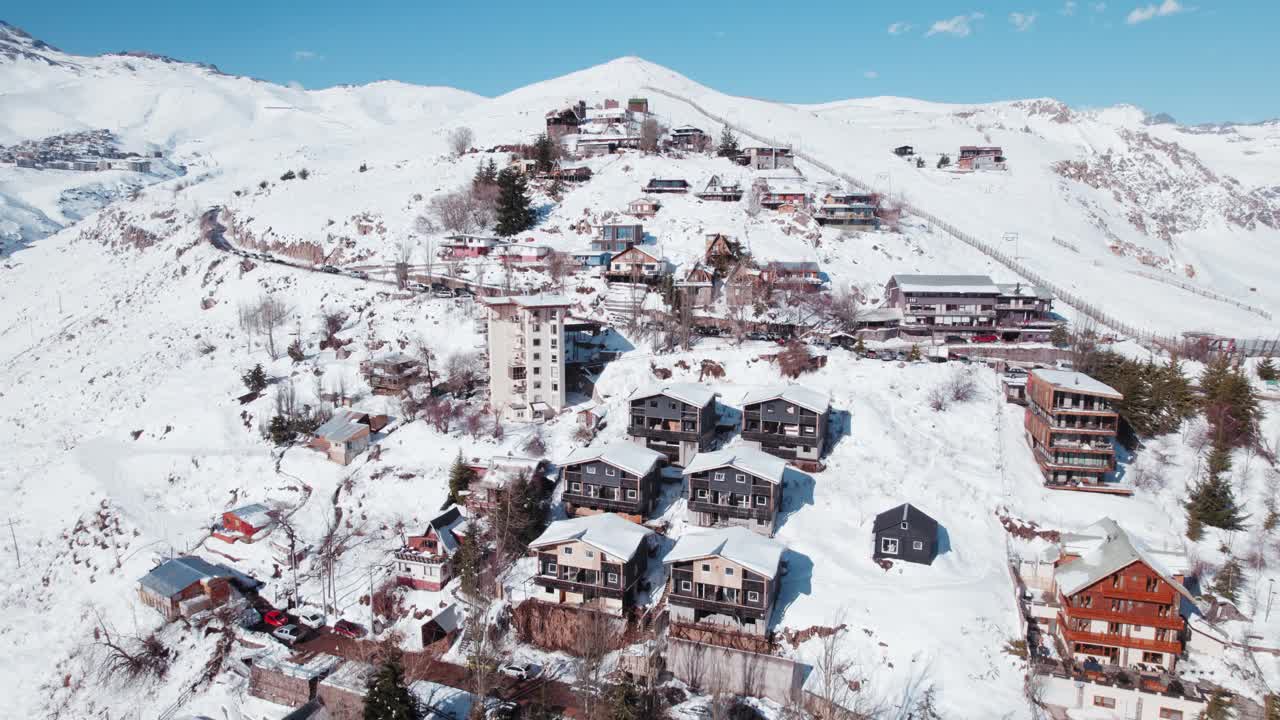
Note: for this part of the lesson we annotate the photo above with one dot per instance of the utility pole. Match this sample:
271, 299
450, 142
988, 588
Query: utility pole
1014, 237
17, 555
1270, 596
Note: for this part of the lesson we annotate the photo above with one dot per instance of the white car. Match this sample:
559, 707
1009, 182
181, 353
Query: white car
289, 634
310, 617
520, 671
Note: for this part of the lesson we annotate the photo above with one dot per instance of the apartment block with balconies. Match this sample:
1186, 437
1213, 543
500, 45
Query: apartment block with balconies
789, 422
739, 486
945, 304
526, 356
724, 579
678, 420
620, 478
1071, 425
595, 561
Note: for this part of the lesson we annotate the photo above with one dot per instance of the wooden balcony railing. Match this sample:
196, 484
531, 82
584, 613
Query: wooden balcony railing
585, 589
1118, 640
725, 608
626, 506
663, 434
738, 511
1173, 622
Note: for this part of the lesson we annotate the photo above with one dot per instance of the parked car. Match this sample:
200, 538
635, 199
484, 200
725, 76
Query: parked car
520, 671
310, 617
442, 293
1016, 371
955, 339
495, 709
360, 274
346, 628
275, 618
464, 292
329, 269
416, 286
988, 338
290, 634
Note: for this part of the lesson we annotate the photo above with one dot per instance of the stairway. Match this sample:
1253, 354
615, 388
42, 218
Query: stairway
623, 300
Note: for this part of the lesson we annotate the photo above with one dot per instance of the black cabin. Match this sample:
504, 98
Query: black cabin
905, 533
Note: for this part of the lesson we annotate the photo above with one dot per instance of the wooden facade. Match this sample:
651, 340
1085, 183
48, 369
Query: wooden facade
1129, 618
597, 486
786, 429
1071, 426
672, 424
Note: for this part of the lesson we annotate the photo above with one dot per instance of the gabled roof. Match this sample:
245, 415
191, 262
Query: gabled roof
1116, 551
1075, 381
446, 524
744, 458
946, 283
792, 265
755, 552
343, 426
177, 574
692, 393
796, 394
653, 253
904, 513
628, 456
606, 532
531, 301
256, 514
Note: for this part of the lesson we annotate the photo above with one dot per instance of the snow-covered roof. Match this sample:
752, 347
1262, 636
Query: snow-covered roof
446, 524
751, 550
779, 186
793, 265
315, 666
256, 514
607, 532
343, 426
692, 393
628, 456
351, 676
904, 513
685, 130
980, 284
1114, 550
1024, 290
744, 458
531, 301
1076, 382
880, 314
177, 574
796, 394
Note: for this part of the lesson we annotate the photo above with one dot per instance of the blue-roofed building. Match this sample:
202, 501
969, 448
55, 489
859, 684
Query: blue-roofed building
183, 586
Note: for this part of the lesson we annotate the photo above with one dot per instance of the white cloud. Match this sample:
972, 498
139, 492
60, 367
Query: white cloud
1068, 8
900, 27
1147, 12
958, 25
304, 55
1022, 22
871, 74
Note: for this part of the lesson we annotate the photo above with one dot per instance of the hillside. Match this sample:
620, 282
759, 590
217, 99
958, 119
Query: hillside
122, 348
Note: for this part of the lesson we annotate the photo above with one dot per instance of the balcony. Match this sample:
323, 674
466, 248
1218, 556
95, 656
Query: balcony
663, 434
1078, 446
1173, 622
589, 591
723, 608
623, 506
1118, 640
419, 558
1057, 462
775, 438
737, 511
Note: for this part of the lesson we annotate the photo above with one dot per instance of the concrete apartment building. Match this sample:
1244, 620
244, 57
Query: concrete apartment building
526, 356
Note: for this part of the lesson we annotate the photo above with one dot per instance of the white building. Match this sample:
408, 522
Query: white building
526, 355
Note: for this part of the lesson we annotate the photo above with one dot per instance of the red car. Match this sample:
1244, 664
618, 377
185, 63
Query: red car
275, 618
986, 338
346, 628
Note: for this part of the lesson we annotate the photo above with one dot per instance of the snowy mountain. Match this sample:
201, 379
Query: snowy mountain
122, 348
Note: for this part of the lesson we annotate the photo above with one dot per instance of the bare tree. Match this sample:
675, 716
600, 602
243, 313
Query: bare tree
455, 211
460, 141
332, 321
593, 642
463, 370
250, 320
404, 251
427, 355
692, 664
272, 313
559, 266
840, 685
651, 131
130, 659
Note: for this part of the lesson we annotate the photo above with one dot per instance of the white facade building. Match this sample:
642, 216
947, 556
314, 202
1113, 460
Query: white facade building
526, 355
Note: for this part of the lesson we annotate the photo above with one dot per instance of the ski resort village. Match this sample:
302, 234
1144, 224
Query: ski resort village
618, 397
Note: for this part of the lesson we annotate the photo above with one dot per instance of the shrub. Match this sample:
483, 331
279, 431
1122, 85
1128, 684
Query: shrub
304, 173
288, 175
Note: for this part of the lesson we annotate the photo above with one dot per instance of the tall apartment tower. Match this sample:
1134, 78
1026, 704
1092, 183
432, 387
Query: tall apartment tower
1071, 424
526, 356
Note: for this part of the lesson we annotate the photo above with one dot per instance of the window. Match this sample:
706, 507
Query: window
1114, 628
706, 567
631, 494
613, 578
537, 370
889, 546
760, 500
686, 586
753, 596
741, 478
1170, 714
1104, 701
575, 487
791, 409
671, 405
903, 526
653, 403
1154, 658
591, 469
611, 472
550, 569
1153, 585
568, 551
553, 343
719, 476
917, 545
702, 493
537, 384
555, 386
728, 572
555, 358
537, 356
537, 342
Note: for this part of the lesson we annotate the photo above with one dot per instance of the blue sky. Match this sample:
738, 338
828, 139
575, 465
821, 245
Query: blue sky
1198, 61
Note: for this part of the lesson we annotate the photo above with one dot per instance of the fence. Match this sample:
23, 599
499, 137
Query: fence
1201, 292
1084, 307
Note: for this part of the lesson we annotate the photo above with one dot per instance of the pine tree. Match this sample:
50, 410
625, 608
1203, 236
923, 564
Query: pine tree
1230, 403
1267, 370
1059, 337
281, 431
255, 380
913, 355
859, 346
468, 561
557, 188
460, 477
1212, 501
514, 212
544, 152
388, 697
728, 144
1226, 584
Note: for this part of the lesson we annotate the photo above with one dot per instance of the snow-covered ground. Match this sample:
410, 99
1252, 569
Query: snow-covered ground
121, 353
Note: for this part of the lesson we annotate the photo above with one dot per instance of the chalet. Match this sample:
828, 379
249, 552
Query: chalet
742, 284
905, 533
346, 434
610, 114
687, 137
851, 198
579, 173
184, 586
523, 254
720, 191
904, 151
980, 158
767, 158
676, 419
1119, 603
782, 194
426, 561
622, 477
643, 207
738, 486
606, 142
457, 247
611, 104
1024, 312
719, 245
247, 523
789, 422
588, 259
944, 304
598, 561
566, 121
1071, 425
615, 238
391, 373
667, 185
726, 578
801, 274
638, 264
858, 209
698, 286
638, 105
494, 476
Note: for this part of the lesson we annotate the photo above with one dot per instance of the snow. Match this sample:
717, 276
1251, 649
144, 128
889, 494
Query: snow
629, 456
751, 550
814, 400
344, 425
692, 393
610, 533
743, 457
974, 284
1077, 381
1114, 552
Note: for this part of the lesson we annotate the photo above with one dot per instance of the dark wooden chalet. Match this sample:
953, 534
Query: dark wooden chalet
667, 185
724, 579
677, 420
622, 477
596, 561
718, 190
738, 486
788, 422
905, 533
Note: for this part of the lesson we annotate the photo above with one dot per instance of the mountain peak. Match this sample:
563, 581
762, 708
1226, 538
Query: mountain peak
17, 43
